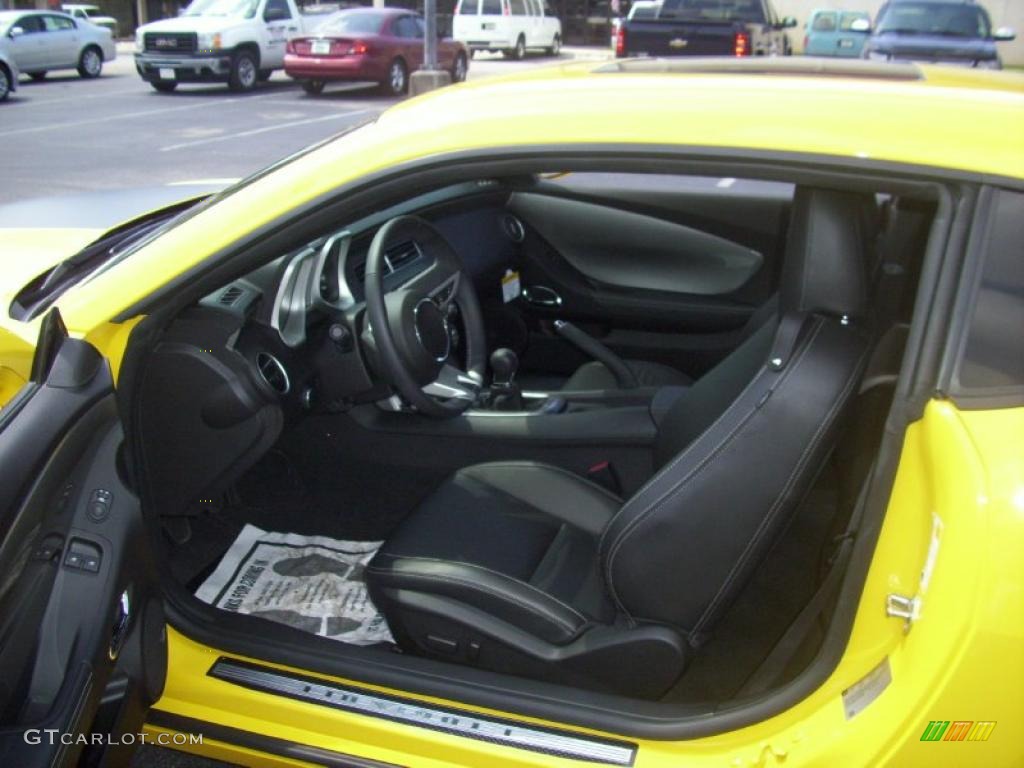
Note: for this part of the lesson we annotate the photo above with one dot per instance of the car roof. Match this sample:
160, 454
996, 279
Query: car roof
929, 116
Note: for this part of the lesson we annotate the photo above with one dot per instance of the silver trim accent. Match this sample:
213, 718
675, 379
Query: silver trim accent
421, 714
513, 227
299, 285
269, 359
346, 298
120, 631
444, 321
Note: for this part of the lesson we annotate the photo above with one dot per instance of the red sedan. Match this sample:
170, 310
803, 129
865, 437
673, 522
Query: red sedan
382, 45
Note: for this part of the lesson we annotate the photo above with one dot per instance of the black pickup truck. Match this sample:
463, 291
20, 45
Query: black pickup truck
706, 28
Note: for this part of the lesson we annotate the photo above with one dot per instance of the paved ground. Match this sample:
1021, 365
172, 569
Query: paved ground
69, 135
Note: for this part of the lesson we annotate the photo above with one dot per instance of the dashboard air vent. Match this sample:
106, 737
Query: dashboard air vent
272, 372
396, 257
230, 296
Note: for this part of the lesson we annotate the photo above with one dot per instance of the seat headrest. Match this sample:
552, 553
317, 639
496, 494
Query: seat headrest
826, 252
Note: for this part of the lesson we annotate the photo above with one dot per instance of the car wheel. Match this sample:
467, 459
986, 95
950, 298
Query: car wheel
164, 87
244, 72
313, 87
460, 68
398, 78
90, 63
37, 76
5, 83
556, 46
519, 52
265, 74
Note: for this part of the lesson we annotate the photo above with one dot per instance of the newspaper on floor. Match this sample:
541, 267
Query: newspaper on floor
312, 583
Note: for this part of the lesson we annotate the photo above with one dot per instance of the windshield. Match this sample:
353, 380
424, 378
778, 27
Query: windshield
714, 10
246, 8
925, 18
352, 23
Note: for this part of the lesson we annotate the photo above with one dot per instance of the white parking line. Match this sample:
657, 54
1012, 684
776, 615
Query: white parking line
77, 97
128, 115
266, 129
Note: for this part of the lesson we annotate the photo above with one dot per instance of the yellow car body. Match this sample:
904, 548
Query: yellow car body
954, 529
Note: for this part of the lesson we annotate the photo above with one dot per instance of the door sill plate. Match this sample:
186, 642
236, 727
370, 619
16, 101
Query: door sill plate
456, 722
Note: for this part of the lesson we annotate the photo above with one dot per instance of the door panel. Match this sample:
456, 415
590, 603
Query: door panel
667, 269
82, 644
660, 256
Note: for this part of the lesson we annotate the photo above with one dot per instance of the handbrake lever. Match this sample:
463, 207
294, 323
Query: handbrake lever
587, 344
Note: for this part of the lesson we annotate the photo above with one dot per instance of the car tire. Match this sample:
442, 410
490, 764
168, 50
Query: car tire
163, 87
5, 83
460, 68
519, 52
397, 80
37, 76
244, 72
90, 62
313, 87
556, 46
265, 74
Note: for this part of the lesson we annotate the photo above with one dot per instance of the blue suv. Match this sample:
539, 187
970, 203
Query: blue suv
936, 31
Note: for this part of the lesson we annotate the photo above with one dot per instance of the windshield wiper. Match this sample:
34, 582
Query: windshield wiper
902, 31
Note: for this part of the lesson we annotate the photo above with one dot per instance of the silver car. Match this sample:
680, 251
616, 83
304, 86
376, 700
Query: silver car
8, 71
40, 41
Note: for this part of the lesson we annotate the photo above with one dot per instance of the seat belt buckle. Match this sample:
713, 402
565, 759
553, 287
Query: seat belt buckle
604, 474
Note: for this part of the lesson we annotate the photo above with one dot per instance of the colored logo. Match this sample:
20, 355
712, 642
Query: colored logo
958, 730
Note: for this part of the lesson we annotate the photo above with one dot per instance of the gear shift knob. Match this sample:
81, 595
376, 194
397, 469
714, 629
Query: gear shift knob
504, 364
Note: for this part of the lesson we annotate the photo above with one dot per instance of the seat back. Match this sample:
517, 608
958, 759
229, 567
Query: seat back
742, 446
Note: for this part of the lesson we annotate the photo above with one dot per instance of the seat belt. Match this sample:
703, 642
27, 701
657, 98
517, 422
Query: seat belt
782, 653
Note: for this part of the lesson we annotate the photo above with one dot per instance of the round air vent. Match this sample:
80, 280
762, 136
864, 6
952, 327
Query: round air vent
272, 372
514, 229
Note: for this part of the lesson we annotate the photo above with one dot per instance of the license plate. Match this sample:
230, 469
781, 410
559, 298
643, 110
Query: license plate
166, 73
320, 47
846, 43
487, 26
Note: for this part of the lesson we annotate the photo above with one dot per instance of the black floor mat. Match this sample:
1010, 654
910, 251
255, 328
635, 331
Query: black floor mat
310, 484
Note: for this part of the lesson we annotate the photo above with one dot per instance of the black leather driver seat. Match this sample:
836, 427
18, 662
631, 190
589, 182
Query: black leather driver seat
530, 570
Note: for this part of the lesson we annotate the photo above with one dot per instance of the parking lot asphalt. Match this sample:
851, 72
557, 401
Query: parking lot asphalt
67, 135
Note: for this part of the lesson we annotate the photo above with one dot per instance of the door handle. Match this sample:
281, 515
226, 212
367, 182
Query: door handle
542, 296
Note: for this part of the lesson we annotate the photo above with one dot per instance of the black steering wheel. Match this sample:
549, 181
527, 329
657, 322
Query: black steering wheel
411, 322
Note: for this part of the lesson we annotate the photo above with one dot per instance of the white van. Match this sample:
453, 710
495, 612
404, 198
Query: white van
509, 26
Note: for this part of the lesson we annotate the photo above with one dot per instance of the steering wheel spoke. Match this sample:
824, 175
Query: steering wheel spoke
453, 384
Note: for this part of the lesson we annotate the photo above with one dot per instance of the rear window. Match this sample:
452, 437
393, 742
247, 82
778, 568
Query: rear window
927, 18
490, 7
824, 22
517, 7
714, 10
349, 23
466, 8
846, 20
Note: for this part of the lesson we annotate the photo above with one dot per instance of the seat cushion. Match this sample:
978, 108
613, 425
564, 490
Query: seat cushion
514, 540
595, 376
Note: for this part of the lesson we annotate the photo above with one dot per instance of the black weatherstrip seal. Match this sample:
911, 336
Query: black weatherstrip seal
455, 722
260, 742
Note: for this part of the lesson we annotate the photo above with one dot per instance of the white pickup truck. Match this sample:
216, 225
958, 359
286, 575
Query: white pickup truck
238, 42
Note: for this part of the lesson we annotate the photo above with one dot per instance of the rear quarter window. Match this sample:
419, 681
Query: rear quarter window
991, 360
